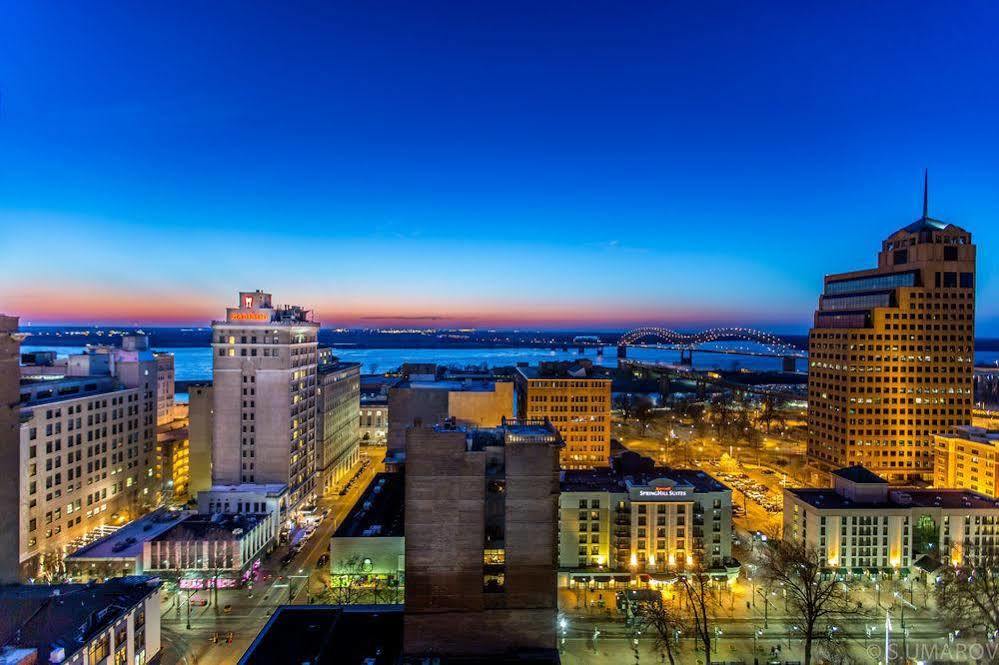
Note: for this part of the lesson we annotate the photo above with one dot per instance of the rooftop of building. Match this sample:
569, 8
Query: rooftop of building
66, 616
510, 431
581, 369
467, 385
203, 526
380, 511
973, 434
126, 542
369, 634
337, 365
611, 480
270, 489
46, 390
859, 474
902, 497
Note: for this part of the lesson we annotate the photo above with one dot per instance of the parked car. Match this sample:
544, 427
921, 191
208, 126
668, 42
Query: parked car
323, 561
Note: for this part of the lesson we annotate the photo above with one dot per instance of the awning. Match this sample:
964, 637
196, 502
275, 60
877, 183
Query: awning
858, 571
581, 578
622, 578
903, 572
875, 571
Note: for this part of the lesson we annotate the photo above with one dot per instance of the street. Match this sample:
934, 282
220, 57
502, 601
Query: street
249, 610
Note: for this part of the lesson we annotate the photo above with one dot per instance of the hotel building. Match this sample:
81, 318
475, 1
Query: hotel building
577, 400
862, 525
616, 527
338, 399
88, 451
968, 459
891, 354
481, 538
265, 361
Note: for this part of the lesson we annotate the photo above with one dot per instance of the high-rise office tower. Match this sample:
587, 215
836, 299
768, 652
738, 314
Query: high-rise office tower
891, 354
481, 538
264, 396
10, 483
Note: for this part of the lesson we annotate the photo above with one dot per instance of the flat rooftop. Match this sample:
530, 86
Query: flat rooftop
39, 390
216, 525
351, 634
475, 385
338, 366
46, 616
126, 542
609, 480
900, 498
382, 504
270, 489
564, 370
511, 431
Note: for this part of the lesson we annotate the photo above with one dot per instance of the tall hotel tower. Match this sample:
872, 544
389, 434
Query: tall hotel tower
891, 354
264, 369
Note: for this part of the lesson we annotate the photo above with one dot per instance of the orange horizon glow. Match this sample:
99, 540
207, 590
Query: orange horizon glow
118, 306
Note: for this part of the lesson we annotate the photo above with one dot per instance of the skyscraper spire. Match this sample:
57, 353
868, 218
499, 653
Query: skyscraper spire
926, 193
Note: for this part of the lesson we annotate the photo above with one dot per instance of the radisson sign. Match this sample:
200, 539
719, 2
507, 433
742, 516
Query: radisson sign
249, 316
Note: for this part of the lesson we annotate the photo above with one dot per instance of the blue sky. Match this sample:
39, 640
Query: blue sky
508, 163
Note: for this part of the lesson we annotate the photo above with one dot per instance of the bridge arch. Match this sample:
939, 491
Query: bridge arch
771, 342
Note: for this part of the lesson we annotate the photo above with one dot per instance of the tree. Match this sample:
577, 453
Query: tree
770, 412
695, 587
643, 412
665, 624
722, 416
813, 594
347, 580
968, 594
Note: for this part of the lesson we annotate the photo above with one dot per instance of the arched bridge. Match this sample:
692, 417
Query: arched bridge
687, 343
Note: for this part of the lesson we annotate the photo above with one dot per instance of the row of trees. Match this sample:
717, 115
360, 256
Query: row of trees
818, 600
967, 598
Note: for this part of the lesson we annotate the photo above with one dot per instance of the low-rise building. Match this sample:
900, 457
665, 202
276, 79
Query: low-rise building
370, 542
82, 624
621, 529
414, 403
967, 459
203, 550
119, 554
861, 525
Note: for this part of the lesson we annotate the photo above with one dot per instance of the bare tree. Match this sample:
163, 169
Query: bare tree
968, 594
347, 581
696, 587
665, 624
813, 595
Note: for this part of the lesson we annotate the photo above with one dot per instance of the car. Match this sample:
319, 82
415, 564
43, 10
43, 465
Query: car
198, 602
288, 558
227, 609
323, 560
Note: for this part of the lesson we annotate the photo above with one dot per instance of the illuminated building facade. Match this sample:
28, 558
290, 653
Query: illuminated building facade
264, 369
88, 445
338, 400
968, 458
199, 411
577, 400
891, 354
863, 525
657, 522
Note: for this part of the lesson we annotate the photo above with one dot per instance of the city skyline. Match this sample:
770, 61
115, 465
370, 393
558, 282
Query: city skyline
517, 167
